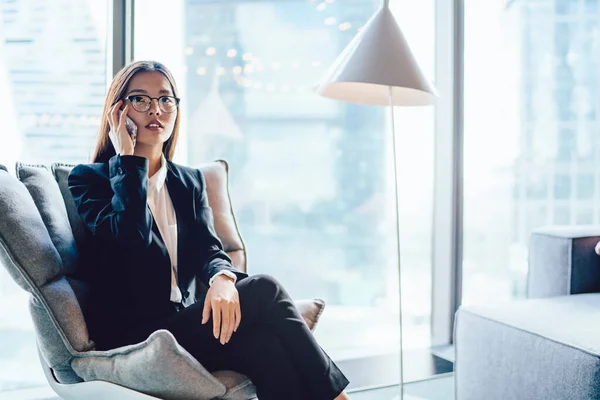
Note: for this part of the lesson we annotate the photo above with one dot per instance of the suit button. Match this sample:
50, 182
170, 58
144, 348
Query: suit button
120, 171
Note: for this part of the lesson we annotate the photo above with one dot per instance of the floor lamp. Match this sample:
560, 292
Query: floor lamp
378, 68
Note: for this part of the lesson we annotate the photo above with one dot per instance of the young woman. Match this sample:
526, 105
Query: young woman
152, 233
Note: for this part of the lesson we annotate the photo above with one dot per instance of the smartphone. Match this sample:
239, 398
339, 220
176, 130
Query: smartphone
130, 125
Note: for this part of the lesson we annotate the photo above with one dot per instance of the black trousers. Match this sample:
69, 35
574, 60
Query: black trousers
272, 346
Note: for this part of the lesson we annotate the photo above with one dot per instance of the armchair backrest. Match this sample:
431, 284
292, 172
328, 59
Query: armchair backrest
216, 175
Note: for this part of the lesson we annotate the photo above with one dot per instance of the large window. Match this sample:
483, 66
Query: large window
52, 83
532, 154
311, 178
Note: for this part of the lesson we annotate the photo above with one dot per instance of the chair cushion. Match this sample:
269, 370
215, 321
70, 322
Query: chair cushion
311, 311
30, 256
48, 199
238, 386
42, 186
158, 366
80, 232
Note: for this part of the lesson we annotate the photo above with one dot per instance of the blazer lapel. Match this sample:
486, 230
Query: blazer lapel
182, 199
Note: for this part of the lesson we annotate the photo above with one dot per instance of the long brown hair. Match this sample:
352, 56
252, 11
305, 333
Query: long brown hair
104, 148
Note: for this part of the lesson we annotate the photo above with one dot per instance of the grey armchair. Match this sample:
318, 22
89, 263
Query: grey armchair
544, 347
41, 237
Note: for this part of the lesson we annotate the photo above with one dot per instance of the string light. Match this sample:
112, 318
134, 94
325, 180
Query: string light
269, 87
257, 67
344, 26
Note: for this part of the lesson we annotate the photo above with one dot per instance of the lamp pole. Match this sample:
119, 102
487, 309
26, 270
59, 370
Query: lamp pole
397, 211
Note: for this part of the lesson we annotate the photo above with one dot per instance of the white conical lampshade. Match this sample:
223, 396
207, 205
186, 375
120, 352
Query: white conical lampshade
375, 60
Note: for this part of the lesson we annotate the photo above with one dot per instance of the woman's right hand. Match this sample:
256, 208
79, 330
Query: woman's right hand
119, 136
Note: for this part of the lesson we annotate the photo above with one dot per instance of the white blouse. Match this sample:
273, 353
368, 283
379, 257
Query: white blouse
164, 214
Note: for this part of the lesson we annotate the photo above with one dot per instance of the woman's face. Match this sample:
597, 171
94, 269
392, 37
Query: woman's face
155, 126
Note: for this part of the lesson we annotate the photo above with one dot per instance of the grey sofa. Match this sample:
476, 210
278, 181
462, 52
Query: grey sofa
41, 237
544, 347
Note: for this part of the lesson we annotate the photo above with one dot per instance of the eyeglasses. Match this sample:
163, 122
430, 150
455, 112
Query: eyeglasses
142, 103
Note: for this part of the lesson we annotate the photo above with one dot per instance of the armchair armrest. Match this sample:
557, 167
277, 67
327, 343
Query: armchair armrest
562, 261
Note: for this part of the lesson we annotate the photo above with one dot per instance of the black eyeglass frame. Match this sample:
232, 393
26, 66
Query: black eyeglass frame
177, 100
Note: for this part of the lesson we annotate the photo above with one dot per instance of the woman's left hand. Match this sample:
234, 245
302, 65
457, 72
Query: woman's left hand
224, 301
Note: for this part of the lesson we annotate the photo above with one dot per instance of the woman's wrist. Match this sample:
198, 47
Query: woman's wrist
224, 278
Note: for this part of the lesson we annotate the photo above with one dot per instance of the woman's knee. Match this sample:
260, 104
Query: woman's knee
265, 282
265, 278
263, 286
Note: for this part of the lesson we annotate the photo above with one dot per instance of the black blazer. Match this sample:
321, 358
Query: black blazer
127, 264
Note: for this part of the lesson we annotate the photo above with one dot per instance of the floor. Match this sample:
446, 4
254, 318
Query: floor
437, 388
428, 375
383, 370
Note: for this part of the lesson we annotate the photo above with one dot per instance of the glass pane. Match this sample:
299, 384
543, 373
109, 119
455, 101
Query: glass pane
531, 149
311, 178
53, 83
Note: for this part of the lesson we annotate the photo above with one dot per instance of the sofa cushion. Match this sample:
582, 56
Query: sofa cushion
529, 349
555, 318
158, 366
